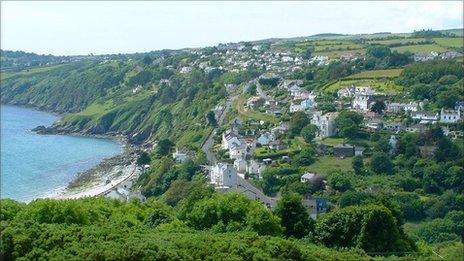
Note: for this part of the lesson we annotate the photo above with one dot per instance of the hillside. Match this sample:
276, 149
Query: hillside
353, 142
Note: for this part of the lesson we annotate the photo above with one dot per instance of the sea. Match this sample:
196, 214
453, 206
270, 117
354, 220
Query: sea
34, 165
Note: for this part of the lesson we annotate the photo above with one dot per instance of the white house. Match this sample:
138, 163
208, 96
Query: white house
254, 167
240, 165
412, 106
223, 175
295, 107
450, 116
325, 123
228, 138
238, 150
307, 177
425, 116
362, 102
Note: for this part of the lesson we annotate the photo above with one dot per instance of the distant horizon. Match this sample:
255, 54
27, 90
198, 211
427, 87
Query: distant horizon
80, 28
256, 40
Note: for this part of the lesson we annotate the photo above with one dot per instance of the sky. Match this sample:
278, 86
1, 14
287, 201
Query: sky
80, 28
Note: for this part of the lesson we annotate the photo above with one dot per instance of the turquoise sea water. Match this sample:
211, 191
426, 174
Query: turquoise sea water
34, 165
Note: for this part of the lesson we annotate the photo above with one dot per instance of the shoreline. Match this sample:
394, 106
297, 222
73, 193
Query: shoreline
101, 178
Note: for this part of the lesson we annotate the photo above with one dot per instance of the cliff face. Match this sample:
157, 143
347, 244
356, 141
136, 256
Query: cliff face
119, 97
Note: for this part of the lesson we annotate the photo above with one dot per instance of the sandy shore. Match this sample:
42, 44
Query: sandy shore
106, 183
102, 178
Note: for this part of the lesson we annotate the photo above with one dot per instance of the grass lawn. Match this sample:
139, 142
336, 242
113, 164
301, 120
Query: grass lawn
450, 42
423, 48
239, 105
387, 73
326, 164
265, 152
333, 141
377, 84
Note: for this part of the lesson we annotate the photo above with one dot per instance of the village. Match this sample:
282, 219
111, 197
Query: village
257, 135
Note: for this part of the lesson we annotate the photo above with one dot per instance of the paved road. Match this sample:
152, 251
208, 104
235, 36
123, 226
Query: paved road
260, 92
243, 185
210, 140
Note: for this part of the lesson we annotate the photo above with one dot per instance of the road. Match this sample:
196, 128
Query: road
260, 92
210, 140
243, 185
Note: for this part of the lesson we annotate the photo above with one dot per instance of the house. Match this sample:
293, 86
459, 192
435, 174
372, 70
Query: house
295, 107
314, 206
223, 175
419, 128
254, 167
343, 150
265, 138
238, 150
374, 125
228, 138
124, 194
296, 91
325, 123
459, 106
352, 91
412, 106
240, 165
359, 150
450, 55
425, 116
395, 107
310, 177
422, 57
393, 126
277, 145
362, 102
450, 116
281, 129
180, 155
185, 69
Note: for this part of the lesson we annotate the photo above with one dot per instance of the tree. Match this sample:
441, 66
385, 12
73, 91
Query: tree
164, 147
143, 159
348, 123
305, 157
293, 216
372, 228
381, 163
309, 132
378, 107
339, 181
358, 165
297, 122
147, 60
378, 51
308, 52
167, 95
211, 118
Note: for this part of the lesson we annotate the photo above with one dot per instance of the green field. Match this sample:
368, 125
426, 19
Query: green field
423, 48
398, 41
6, 74
377, 84
326, 164
450, 42
388, 73
252, 114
